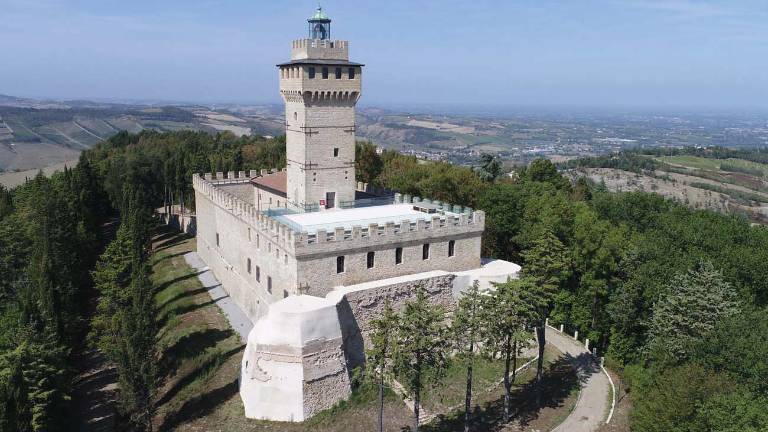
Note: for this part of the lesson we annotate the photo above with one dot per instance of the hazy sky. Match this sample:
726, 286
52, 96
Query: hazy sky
510, 52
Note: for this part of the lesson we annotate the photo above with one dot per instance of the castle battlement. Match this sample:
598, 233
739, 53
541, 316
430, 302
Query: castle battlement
279, 233
448, 221
316, 49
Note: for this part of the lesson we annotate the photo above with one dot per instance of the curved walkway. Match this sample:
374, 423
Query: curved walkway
592, 405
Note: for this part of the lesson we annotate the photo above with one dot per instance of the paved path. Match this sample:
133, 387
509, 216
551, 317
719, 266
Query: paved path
236, 317
589, 413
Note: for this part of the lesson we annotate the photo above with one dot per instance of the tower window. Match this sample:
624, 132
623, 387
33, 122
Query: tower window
340, 265
336, 152
452, 248
269, 284
295, 116
371, 259
311, 73
425, 252
249, 266
351, 73
338, 73
398, 256
285, 294
249, 234
325, 73
217, 240
258, 274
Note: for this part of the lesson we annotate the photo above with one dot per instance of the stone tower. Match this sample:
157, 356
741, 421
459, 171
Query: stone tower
320, 87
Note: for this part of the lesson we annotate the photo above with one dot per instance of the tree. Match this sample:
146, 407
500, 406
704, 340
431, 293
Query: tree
34, 385
378, 358
490, 168
508, 315
368, 163
136, 358
112, 280
739, 345
671, 400
694, 303
469, 327
420, 354
547, 266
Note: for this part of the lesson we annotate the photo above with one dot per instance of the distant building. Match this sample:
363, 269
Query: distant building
311, 255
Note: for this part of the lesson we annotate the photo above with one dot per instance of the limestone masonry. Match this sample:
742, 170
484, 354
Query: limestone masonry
312, 256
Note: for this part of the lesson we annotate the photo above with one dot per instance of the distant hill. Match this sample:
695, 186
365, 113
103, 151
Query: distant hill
35, 134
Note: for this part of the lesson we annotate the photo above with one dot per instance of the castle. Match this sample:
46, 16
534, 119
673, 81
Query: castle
311, 256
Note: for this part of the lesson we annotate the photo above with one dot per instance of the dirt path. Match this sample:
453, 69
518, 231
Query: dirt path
590, 410
95, 393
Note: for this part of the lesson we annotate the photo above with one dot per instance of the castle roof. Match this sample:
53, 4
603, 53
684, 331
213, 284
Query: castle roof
276, 183
329, 62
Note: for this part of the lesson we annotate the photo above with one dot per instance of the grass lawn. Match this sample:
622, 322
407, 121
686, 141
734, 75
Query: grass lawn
692, 162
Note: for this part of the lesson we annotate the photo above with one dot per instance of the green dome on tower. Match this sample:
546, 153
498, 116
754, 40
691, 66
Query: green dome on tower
319, 25
319, 15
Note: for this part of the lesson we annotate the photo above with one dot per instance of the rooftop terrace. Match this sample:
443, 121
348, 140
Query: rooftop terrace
363, 217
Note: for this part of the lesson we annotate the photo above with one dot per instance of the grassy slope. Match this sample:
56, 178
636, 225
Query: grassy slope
200, 364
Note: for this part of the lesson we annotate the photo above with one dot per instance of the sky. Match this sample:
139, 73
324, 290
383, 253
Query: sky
644, 53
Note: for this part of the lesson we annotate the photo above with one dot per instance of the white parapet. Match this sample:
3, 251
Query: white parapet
492, 271
294, 366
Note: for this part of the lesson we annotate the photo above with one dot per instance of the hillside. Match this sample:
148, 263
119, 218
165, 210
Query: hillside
40, 134
730, 181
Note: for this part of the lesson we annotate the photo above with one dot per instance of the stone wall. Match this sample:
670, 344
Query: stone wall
359, 305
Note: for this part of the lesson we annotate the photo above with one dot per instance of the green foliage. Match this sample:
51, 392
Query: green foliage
739, 346
436, 180
368, 163
490, 168
420, 355
378, 359
34, 386
693, 304
670, 402
507, 317
739, 411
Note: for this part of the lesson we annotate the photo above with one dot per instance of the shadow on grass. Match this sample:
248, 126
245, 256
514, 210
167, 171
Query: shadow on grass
183, 310
190, 346
170, 256
208, 366
173, 241
182, 295
199, 406
163, 286
557, 383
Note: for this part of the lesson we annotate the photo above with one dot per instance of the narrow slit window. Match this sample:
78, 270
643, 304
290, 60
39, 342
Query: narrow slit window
258, 274
398, 256
340, 265
285, 294
217, 240
425, 252
336, 152
452, 248
249, 266
269, 284
371, 259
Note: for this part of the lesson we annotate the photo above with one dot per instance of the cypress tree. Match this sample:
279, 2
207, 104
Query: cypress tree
509, 315
421, 350
548, 266
470, 324
378, 358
